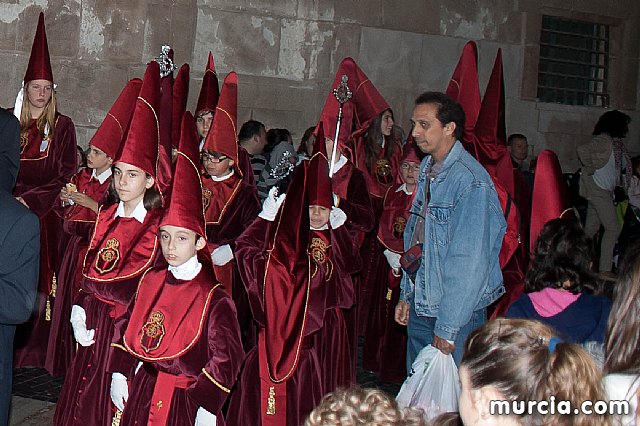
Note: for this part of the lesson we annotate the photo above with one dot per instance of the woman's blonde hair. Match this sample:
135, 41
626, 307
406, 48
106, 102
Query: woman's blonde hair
48, 115
356, 406
515, 357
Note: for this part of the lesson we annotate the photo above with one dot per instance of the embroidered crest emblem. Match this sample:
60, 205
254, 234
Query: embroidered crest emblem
153, 332
318, 250
206, 197
108, 256
398, 226
24, 140
383, 171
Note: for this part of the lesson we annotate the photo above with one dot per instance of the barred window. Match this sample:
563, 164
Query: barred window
574, 62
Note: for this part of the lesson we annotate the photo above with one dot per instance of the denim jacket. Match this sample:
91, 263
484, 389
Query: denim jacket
464, 227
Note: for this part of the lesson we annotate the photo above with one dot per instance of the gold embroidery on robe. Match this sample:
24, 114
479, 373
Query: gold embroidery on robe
108, 256
153, 332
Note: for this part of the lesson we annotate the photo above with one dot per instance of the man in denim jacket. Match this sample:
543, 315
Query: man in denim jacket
456, 217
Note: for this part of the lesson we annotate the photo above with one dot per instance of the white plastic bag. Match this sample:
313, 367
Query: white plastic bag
433, 384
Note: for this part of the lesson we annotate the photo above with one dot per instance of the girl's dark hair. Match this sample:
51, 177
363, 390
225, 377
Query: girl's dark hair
622, 341
613, 123
372, 140
562, 253
514, 357
302, 149
83, 155
151, 199
274, 137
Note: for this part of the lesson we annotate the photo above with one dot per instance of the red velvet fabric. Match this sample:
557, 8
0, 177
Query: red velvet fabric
180, 95
210, 91
39, 67
40, 178
78, 225
111, 133
385, 172
223, 135
463, 88
320, 192
186, 208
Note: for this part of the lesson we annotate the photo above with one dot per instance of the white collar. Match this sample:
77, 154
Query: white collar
403, 188
221, 178
102, 177
322, 228
341, 162
188, 270
139, 213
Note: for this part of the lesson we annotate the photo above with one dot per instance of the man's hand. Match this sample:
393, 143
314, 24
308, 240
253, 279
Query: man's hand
402, 313
442, 345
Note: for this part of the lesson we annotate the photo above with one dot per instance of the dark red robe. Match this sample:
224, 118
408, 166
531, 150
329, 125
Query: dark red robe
230, 207
120, 251
187, 334
78, 224
304, 386
385, 340
42, 174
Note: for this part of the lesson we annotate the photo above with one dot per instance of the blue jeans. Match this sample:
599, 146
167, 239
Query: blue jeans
420, 334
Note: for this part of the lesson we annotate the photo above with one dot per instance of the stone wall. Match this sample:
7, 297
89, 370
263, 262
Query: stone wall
286, 53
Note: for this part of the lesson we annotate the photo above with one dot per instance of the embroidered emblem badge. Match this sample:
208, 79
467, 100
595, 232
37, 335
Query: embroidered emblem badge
206, 197
383, 171
318, 250
153, 332
108, 256
398, 226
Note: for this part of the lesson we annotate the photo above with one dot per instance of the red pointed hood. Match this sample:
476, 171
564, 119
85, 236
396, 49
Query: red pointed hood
550, 194
113, 130
223, 136
180, 95
318, 182
490, 130
410, 151
186, 209
39, 67
142, 145
464, 89
210, 90
364, 105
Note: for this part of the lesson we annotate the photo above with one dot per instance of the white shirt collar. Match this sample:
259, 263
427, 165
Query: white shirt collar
102, 177
322, 228
341, 162
188, 270
138, 213
403, 188
221, 178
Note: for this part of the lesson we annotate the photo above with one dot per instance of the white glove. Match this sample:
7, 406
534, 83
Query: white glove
393, 259
271, 205
337, 217
119, 390
79, 323
222, 255
205, 418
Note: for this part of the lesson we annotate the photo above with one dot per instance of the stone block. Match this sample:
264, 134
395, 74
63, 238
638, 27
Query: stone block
411, 15
623, 80
9, 24
563, 119
390, 58
112, 30
166, 25
243, 43
438, 59
62, 23
511, 65
274, 8
529, 83
347, 44
84, 135
317, 10
87, 90
474, 20
305, 49
522, 117
11, 76
355, 11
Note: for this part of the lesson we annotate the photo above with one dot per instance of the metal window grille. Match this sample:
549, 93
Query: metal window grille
574, 62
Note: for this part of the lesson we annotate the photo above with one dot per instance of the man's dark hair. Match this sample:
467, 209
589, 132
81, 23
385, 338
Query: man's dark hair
512, 137
613, 123
249, 129
448, 110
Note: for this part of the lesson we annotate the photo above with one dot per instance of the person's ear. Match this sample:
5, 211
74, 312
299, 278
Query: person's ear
150, 182
109, 161
450, 128
200, 243
231, 163
482, 398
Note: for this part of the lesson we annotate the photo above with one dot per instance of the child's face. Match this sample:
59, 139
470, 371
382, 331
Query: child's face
179, 244
98, 160
409, 172
203, 123
216, 164
318, 216
130, 182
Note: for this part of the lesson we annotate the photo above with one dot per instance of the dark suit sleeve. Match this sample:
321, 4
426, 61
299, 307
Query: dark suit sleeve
9, 150
19, 266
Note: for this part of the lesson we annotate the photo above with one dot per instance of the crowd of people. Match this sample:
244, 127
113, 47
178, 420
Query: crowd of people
190, 272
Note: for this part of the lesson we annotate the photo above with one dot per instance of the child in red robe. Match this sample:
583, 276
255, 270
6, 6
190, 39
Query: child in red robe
123, 246
87, 188
182, 324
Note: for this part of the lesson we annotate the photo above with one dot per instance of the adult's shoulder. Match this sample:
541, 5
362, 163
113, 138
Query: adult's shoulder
6, 115
15, 214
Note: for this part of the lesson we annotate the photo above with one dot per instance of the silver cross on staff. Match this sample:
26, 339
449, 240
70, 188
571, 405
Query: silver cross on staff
342, 94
